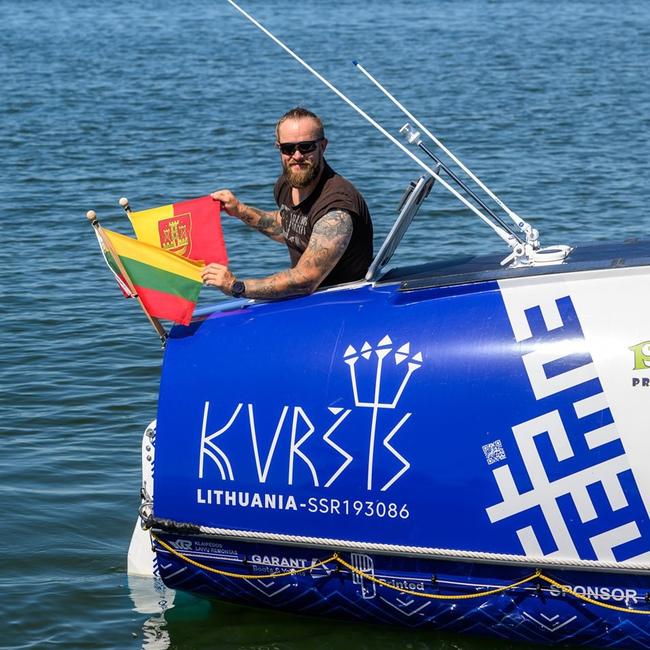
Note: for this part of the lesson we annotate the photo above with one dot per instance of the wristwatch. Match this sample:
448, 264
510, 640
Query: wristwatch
238, 289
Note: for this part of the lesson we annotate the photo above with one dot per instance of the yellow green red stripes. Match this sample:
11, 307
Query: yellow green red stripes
150, 277
153, 256
168, 285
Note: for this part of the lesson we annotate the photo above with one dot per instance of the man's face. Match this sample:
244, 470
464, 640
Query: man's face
300, 169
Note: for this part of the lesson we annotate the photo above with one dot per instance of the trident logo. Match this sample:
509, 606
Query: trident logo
377, 383
387, 398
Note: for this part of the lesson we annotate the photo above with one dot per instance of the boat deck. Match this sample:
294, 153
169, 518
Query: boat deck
468, 269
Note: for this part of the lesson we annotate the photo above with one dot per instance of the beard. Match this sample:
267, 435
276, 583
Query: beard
302, 176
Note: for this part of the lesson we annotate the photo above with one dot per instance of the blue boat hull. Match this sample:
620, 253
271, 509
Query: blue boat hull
534, 612
471, 423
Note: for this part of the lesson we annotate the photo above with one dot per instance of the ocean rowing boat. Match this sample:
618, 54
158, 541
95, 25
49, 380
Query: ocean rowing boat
460, 444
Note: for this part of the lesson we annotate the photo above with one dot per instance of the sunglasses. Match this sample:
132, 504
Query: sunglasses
289, 148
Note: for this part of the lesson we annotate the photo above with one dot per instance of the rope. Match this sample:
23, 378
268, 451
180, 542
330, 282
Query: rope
421, 551
335, 557
228, 574
587, 599
480, 594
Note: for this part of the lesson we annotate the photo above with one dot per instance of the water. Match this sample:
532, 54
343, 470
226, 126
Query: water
549, 102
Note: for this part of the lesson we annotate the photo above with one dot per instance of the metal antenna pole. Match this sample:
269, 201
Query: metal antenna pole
413, 137
506, 235
531, 233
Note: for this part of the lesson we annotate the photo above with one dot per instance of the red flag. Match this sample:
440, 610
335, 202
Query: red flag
189, 228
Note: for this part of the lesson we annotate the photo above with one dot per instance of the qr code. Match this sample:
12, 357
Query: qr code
494, 452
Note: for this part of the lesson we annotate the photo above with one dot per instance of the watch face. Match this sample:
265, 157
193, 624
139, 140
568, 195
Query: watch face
238, 288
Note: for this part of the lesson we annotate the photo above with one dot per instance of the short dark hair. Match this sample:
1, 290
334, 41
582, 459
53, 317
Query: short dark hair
297, 113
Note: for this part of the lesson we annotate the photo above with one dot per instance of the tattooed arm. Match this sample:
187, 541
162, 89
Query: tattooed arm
328, 241
268, 223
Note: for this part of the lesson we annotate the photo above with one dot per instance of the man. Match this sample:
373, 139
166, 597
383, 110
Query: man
322, 219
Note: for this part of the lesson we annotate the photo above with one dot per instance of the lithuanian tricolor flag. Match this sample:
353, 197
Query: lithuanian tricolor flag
189, 228
168, 285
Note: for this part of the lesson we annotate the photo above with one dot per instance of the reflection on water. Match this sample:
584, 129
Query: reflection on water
154, 634
150, 596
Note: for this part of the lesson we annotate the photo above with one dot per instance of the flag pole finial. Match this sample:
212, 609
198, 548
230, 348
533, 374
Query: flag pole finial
91, 215
124, 203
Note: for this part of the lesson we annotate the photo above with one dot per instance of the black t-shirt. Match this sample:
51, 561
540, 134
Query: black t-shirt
333, 192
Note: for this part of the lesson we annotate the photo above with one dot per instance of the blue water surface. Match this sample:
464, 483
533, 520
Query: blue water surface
549, 102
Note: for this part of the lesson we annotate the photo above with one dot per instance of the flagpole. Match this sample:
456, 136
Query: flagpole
91, 215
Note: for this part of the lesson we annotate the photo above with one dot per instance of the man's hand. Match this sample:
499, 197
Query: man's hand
268, 223
219, 276
231, 204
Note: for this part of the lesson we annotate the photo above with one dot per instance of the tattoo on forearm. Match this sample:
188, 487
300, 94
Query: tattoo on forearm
268, 223
285, 283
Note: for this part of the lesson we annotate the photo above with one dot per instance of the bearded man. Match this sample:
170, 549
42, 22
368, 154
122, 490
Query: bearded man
321, 218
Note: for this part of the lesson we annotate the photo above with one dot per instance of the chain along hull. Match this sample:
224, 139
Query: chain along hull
535, 611
494, 416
